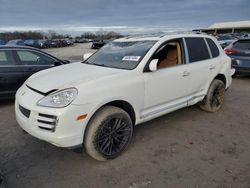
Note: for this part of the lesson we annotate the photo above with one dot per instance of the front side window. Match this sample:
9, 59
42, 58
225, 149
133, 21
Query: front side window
169, 55
6, 58
33, 58
197, 49
122, 55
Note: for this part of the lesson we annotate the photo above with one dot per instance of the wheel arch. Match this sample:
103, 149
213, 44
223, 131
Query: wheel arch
126, 106
123, 104
222, 78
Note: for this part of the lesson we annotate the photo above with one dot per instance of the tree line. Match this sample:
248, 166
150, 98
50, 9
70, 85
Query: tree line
53, 35
101, 35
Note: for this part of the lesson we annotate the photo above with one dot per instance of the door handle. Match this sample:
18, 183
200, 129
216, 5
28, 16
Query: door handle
185, 73
211, 67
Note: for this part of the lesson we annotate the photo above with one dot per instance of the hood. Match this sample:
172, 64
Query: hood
68, 75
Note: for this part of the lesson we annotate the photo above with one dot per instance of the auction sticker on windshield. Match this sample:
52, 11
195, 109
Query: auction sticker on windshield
131, 58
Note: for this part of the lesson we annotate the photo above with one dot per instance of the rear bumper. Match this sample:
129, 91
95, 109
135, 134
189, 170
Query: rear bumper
232, 71
241, 70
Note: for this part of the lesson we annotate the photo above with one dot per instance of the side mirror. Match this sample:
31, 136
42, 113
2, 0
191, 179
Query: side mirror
87, 55
57, 63
153, 65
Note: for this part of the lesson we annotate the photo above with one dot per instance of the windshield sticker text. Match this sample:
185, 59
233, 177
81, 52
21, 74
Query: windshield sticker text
131, 58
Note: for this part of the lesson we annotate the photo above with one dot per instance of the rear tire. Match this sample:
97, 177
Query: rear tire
108, 134
214, 98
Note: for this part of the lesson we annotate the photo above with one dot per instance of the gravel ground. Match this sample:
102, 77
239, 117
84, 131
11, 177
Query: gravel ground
73, 53
186, 148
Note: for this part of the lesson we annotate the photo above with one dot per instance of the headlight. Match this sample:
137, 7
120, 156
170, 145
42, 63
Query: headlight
59, 99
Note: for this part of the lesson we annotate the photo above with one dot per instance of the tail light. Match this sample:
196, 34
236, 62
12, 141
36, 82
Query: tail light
230, 51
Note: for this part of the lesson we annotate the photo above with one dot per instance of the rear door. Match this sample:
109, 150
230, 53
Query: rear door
10, 73
199, 65
31, 62
215, 58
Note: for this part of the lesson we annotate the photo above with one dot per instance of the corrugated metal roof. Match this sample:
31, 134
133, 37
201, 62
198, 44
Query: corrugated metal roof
226, 25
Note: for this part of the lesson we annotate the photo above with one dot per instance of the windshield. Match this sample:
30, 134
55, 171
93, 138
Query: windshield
122, 55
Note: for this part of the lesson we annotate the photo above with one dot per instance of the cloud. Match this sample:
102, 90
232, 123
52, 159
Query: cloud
84, 14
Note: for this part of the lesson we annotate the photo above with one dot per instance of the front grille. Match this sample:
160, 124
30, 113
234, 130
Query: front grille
47, 122
24, 111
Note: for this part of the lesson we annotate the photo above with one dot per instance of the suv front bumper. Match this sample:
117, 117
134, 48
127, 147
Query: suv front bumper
58, 126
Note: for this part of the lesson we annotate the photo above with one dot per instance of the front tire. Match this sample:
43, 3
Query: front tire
108, 134
214, 98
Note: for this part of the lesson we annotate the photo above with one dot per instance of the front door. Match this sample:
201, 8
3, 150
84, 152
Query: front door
166, 89
200, 66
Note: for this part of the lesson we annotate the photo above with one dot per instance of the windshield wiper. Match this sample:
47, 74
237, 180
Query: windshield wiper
101, 65
86, 62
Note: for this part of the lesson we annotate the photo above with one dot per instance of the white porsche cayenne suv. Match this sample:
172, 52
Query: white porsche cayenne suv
97, 102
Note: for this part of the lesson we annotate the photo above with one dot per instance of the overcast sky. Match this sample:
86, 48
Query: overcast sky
120, 15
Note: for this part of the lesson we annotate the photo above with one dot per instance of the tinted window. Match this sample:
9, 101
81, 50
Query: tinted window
242, 44
6, 58
213, 48
33, 58
197, 49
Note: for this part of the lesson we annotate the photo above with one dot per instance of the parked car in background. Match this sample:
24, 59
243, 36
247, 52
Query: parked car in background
82, 40
42, 44
226, 39
239, 51
29, 42
69, 42
98, 44
63, 42
56, 43
15, 42
97, 103
3, 42
18, 63
240, 35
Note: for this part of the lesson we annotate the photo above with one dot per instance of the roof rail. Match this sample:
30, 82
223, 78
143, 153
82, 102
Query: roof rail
144, 35
162, 34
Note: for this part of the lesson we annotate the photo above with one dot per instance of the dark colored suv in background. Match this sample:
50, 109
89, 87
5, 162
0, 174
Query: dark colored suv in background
17, 63
239, 52
98, 44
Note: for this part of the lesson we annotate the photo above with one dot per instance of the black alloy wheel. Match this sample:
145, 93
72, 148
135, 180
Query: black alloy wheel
114, 136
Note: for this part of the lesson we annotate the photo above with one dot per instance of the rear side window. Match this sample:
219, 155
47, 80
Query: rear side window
33, 58
6, 58
242, 44
214, 49
197, 49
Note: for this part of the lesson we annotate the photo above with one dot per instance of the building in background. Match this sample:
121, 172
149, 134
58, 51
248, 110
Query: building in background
227, 27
